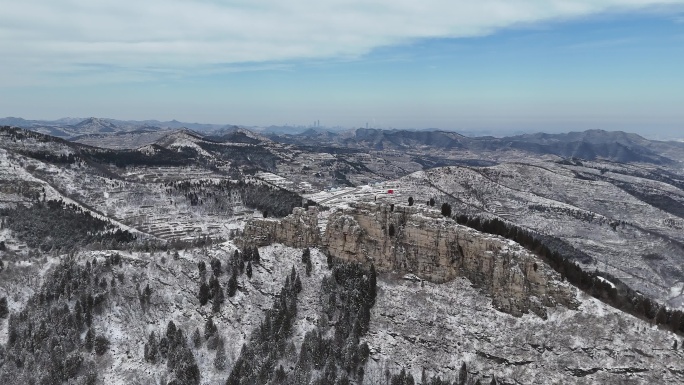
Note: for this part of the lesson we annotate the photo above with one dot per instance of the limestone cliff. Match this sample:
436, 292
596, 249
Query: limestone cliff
411, 240
419, 241
299, 229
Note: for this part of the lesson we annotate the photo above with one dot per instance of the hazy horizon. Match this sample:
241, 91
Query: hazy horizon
496, 67
678, 136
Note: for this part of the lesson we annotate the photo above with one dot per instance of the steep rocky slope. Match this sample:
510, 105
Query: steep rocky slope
411, 240
416, 326
435, 327
458, 314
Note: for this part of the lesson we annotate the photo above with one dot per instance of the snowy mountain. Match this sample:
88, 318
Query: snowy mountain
592, 144
170, 257
74, 127
236, 134
95, 126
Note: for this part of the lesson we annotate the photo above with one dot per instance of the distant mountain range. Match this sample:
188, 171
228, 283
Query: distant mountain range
71, 127
592, 144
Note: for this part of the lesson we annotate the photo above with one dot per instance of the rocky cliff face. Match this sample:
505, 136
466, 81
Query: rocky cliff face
412, 240
300, 229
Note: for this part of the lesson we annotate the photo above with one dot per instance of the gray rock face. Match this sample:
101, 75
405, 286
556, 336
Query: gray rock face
299, 229
412, 240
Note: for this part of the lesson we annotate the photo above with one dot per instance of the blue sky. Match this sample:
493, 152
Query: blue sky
500, 67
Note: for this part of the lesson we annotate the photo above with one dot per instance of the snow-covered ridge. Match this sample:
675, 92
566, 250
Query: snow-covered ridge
411, 240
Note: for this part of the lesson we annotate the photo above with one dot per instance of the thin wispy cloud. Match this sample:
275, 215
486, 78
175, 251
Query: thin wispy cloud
604, 43
40, 37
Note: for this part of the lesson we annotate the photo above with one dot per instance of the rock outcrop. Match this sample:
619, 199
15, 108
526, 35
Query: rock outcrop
418, 241
299, 229
412, 240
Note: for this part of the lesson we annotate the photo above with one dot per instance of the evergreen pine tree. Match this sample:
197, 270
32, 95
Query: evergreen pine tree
257, 256
147, 293
151, 348
218, 300
306, 255
306, 259
675, 320
232, 284
78, 315
100, 345
202, 269
89, 340
249, 269
236, 254
212, 342
216, 267
446, 209
297, 284
463, 375
214, 286
309, 267
163, 347
203, 294
209, 328
220, 359
661, 316
196, 338
4, 309
170, 330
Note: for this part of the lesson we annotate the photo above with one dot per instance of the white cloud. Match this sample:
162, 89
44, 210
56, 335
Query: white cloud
38, 37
